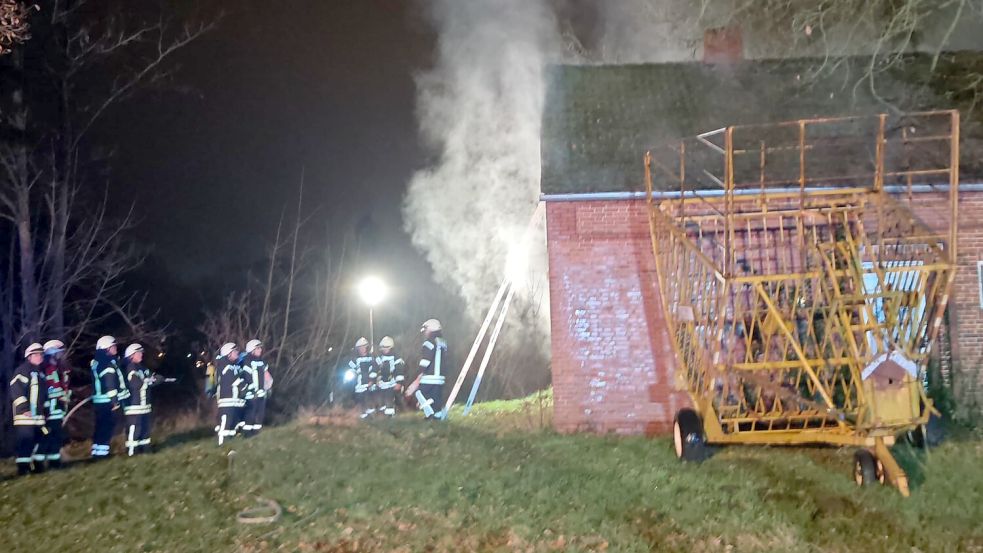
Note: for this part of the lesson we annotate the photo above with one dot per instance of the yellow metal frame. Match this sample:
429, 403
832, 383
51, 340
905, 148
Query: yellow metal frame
789, 259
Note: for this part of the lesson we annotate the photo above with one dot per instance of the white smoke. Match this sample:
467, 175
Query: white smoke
480, 107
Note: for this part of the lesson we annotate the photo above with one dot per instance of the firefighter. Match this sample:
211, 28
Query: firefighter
430, 394
29, 392
230, 392
362, 365
259, 383
59, 394
105, 395
391, 368
139, 380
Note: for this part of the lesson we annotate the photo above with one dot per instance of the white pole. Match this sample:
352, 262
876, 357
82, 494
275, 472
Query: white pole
506, 284
489, 349
474, 348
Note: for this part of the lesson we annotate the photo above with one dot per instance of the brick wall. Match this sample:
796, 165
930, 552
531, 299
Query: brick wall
965, 313
612, 361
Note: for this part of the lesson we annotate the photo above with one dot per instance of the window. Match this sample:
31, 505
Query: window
901, 281
979, 273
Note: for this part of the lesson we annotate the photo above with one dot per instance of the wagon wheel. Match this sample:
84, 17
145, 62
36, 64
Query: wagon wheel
687, 436
867, 469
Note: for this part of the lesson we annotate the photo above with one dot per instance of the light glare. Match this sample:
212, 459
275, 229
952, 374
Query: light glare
372, 290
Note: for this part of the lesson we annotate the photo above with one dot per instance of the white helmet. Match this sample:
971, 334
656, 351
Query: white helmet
131, 349
226, 349
54, 346
253, 344
32, 349
387, 342
105, 342
431, 325
363, 341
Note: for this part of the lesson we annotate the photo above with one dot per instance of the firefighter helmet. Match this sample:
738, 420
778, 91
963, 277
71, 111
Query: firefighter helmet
226, 349
363, 341
431, 325
54, 346
131, 349
32, 349
105, 342
387, 342
253, 344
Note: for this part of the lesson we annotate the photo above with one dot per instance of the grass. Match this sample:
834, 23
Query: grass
490, 483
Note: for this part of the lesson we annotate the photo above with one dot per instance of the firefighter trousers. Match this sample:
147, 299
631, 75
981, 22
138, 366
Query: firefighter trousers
52, 442
387, 401
431, 399
364, 403
228, 422
137, 434
28, 442
255, 410
102, 435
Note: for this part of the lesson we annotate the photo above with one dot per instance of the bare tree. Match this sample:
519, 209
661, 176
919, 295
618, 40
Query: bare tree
304, 332
68, 255
886, 32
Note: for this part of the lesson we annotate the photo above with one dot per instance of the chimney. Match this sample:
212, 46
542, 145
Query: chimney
723, 45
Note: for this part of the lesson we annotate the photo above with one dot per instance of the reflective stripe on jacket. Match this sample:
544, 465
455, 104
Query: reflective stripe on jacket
391, 368
138, 384
431, 361
105, 378
28, 394
232, 383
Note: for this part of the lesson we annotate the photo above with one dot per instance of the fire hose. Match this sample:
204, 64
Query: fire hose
266, 511
73, 409
86, 400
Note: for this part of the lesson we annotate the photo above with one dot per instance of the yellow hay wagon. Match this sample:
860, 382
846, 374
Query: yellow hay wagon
801, 290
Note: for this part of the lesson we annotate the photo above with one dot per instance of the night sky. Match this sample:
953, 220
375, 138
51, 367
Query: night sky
324, 85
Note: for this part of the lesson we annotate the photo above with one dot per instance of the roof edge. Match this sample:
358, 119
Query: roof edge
628, 195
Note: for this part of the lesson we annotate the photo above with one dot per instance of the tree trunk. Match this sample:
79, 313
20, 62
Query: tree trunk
7, 352
63, 184
22, 221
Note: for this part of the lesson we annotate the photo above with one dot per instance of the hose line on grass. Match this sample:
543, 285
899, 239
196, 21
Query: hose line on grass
267, 511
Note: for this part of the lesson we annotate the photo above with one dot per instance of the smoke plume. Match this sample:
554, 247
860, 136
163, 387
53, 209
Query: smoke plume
480, 108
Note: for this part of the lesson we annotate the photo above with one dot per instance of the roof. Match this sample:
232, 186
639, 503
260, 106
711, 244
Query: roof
599, 120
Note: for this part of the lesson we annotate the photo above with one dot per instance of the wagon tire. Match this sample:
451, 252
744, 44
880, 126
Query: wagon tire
867, 471
688, 439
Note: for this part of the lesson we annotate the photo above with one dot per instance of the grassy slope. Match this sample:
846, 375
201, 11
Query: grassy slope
477, 485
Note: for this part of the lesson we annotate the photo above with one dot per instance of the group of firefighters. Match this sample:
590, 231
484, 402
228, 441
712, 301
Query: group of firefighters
40, 395
379, 379
241, 383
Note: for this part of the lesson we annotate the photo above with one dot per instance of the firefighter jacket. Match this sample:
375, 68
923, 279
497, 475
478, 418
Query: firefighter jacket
391, 368
365, 372
124, 390
139, 379
232, 383
58, 391
258, 373
432, 357
28, 392
106, 376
